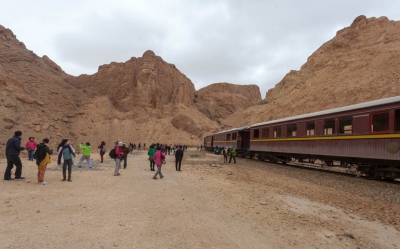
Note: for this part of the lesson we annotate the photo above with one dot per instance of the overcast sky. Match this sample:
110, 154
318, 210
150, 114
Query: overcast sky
235, 41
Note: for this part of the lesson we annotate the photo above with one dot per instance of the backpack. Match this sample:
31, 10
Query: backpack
40, 152
112, 154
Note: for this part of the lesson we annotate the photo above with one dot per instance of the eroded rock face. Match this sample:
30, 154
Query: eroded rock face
144, 82
359, 64
217, 101
185, 123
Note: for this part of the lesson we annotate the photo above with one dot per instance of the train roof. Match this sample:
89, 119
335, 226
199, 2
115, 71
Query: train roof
336, 110
235, 129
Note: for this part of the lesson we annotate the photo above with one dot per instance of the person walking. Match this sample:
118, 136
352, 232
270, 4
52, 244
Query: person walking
85, 155
103, 150
43, 158
13, 148
125, 152
201, 147
31, 146
159, 157
139, 147
118, 153
178, 158
233, 155
150, 153
65, 155
144, 146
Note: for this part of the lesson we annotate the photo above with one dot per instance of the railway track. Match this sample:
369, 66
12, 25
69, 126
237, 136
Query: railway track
318, 165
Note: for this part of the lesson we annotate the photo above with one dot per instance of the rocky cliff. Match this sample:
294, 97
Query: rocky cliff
143, 100
359, 64
218, 101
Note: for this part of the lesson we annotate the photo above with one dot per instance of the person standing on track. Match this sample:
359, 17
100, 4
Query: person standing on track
233, 155
225, 154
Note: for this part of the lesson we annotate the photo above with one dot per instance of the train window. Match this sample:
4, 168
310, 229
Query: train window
329, 127
277, 131
233, 136
380, 122
397, 120
256, 133
228, 136
291, 130
311, 129
265, 132
346, 125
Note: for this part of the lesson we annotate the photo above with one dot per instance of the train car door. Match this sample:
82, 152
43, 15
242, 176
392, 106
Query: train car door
244, 141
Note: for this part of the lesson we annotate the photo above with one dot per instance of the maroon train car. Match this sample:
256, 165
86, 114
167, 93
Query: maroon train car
238, 138
366, 134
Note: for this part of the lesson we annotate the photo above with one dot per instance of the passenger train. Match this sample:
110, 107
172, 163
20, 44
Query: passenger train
366, 135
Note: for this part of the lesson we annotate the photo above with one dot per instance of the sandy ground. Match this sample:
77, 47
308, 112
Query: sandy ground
245, 205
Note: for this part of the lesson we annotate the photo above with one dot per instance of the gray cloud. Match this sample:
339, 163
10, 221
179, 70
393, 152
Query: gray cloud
236, 41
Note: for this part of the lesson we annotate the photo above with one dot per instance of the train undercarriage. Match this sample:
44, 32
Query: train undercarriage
374, 168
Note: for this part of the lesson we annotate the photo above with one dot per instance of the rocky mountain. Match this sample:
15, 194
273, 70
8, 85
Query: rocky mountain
359, 64
218, 101
143, 100
146, 99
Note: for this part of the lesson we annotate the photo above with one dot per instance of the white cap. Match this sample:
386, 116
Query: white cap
120, 143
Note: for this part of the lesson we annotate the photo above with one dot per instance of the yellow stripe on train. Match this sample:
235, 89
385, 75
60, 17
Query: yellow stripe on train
339, 137
226, 141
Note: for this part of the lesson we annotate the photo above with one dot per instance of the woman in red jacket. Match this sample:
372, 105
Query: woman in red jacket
31, 146
118, 152
159, 157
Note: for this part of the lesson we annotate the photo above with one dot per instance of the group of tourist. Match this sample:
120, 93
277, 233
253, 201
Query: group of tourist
157, 157
42, 154
66, 155
225, 152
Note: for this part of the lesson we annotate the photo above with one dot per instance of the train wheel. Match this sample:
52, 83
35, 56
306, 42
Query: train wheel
311, 160
329, 162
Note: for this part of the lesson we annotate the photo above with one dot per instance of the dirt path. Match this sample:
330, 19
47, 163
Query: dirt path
226, 206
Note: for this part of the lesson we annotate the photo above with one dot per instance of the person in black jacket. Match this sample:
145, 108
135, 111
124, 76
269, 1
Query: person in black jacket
178, 158
13, 149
